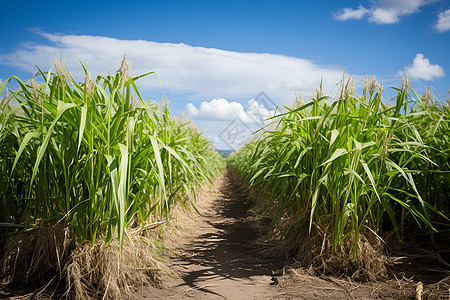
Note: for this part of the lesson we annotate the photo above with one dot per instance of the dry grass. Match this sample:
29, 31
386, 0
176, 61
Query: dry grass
50, 255
327, 287
98, 270
33, 256
439, 290
315, 251
295, 280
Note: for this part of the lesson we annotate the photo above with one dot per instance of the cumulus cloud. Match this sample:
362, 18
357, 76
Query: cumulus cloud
384, 16
223, 110
421, 68
349, 13
216, 109
197, 72
382, 11
230, 124
443, 23
258, 112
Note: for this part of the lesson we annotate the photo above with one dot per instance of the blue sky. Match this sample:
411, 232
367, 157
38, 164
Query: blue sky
214, 58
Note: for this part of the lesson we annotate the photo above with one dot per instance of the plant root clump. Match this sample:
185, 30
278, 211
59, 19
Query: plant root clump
439, 290
49, 260
99, 270
34, 256
314, 251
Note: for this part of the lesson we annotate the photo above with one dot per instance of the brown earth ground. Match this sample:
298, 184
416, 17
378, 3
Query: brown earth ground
219, 256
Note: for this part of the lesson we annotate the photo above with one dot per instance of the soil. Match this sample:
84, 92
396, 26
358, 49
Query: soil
221, 258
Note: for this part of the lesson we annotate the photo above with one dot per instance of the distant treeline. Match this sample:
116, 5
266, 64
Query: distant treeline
225, 153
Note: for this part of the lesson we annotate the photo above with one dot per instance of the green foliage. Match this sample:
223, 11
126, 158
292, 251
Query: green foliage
95, 155
354, 164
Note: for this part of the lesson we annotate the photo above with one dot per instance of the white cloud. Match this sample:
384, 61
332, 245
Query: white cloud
351, 14
384, 16
383, 11
258, 112
216, 109
223, 110
193, 71
443, 23
229, 123
421, 68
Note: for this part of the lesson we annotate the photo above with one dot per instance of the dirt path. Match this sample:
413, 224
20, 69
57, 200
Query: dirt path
220, 260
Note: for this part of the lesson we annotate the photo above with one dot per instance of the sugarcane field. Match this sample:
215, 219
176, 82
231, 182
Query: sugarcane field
224, 151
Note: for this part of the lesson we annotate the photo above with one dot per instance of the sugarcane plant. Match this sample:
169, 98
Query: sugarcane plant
354, 163
94, 155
